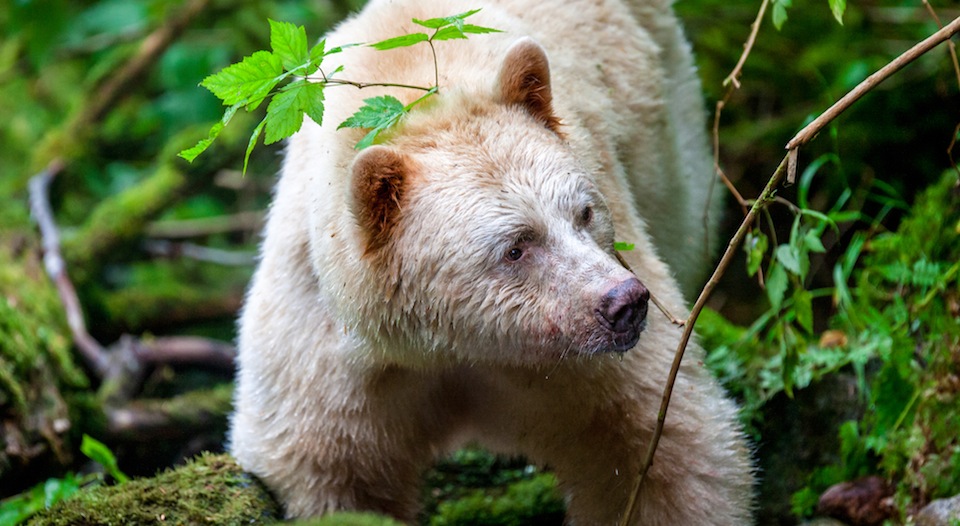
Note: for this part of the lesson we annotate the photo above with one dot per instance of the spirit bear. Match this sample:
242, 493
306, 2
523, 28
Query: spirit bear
458, 283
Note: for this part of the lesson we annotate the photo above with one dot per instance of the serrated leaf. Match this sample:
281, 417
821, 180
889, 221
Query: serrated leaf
289, 44
776, 286
401, 41
620, 246
478, 30
837, 7
317, 52
248, 81
789, 256
449, 33
376, 112
803, 307
100, 453
191, 153
252, 143
285, 112
436, 23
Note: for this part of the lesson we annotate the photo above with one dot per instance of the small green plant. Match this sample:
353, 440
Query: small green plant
292, 76
18, 508
778, 14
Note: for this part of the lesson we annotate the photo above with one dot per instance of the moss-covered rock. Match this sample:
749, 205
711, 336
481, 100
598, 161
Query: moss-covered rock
43, 392
212, 489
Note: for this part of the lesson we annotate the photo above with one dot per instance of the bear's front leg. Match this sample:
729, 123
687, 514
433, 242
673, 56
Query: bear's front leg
360, 441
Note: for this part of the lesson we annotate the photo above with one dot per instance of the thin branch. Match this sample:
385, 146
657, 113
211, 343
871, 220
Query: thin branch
91, 350
812, 129
733, 77
951, 47
146, 56
728, 255
184, 228
187, 350
229, 258
360, 85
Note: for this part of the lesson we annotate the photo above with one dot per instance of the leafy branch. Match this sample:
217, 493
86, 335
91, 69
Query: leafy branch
288, 76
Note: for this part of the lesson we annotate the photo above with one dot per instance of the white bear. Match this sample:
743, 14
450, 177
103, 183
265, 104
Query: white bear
458, 283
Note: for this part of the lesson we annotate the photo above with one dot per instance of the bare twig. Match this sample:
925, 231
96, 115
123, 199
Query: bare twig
187, 350
721, 268
956, 69
733, 77
951, 47
146, 56
161, 247
182, 228
812, 129
91, 350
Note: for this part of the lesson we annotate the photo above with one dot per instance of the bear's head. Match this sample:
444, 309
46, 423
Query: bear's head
485, 238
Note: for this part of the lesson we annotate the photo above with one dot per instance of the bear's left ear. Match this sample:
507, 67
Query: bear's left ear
381, 176
524, 79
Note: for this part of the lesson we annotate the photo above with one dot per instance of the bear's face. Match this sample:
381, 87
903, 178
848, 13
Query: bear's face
489, 240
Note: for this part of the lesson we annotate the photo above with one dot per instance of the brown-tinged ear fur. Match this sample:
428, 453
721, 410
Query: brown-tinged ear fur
525, 80
381, 176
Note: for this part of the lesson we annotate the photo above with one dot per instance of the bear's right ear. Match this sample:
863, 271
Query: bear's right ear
380, 178
524, 79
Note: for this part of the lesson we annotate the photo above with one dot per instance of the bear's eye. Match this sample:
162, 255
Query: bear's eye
514, 254
586, 215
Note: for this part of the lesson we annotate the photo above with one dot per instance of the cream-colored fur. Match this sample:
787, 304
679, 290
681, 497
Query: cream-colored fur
376, 337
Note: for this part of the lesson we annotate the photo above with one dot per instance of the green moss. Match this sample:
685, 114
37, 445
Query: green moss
533, 501
347, 519
211, 489
38, 375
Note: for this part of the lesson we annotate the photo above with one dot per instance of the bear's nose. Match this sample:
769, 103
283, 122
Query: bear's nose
624, 307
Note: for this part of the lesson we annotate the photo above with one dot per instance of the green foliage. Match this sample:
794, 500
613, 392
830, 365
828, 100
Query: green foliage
100, 453
778, 14
249, 82
43, 496
621, 246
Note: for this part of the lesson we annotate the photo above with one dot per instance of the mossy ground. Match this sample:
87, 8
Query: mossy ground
211, 489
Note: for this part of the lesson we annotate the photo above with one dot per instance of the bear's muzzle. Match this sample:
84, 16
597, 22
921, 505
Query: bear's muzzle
622, 311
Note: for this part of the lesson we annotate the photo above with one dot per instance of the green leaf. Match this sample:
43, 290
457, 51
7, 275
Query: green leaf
285, 112
253, 142
378, 113
448, 33
289, 44
100, 453
813, 243
756, 247
803, 307
620, 246
776, 286
191, 153
478, 30
779, 13
837, 7
436, 23
247, 82
401, 41
789, 256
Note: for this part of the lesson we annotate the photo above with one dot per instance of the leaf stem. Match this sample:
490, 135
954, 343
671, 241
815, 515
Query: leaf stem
360, 85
